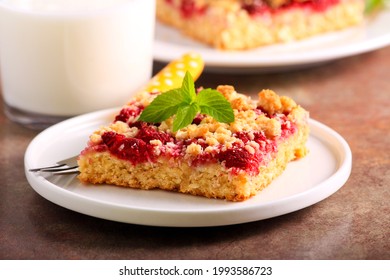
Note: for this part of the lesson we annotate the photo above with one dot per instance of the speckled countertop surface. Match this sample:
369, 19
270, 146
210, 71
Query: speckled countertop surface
351, 95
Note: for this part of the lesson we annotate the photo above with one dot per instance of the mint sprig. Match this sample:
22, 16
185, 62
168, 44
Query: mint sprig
371, 5
184, 104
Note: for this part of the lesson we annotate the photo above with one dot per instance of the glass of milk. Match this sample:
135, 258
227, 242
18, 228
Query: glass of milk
61, 58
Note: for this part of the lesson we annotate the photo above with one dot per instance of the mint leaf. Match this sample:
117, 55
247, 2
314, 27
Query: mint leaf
188, 88
213, 103
372, 5
184, 104
162, 107
185, 115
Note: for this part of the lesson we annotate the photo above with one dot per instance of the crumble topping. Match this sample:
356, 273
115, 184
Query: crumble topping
241, 146
273, 104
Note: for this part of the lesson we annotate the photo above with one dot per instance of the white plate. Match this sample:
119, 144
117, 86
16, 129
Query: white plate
373, 34
305, 182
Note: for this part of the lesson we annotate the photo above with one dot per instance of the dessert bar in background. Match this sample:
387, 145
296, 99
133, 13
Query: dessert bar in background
247, 24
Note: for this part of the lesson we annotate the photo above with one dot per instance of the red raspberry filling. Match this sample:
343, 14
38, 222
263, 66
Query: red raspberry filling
256, 7
238, 158
129, 113
139, 149
148, 133
188, 8
132, 149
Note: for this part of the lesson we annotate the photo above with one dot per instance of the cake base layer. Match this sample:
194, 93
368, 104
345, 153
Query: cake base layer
226, 26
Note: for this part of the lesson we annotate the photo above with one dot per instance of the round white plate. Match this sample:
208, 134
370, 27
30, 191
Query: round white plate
305, 182
374, 33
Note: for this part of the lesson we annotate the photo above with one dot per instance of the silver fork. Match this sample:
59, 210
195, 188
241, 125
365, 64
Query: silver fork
66, 166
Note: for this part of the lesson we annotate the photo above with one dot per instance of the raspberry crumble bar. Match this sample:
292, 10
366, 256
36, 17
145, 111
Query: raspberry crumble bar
247, 24
231, 161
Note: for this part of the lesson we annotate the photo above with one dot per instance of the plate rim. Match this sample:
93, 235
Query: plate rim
174, 218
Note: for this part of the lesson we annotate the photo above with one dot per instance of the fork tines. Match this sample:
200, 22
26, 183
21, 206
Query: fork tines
57, 169
65, 166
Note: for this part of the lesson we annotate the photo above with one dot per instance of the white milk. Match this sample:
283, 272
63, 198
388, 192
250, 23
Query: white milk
67, 57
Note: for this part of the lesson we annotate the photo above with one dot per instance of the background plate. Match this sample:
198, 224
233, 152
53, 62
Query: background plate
305, 182
374, 33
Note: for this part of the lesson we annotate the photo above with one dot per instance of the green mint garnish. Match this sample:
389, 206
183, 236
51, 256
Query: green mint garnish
372, 5
184, 104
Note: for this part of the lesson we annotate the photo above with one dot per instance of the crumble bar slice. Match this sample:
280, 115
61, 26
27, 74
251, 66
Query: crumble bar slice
247, 24
207, 158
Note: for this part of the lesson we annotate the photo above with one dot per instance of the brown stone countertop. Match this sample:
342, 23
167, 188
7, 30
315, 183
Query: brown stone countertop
351, 95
